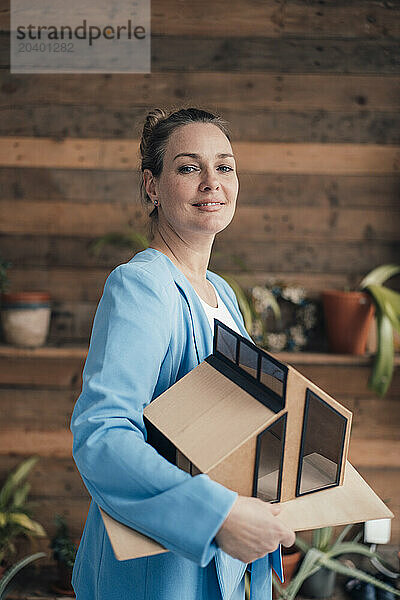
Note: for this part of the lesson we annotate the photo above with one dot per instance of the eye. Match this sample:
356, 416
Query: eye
183, 169
225, 167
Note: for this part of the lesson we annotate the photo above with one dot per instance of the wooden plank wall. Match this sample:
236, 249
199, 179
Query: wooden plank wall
312, 92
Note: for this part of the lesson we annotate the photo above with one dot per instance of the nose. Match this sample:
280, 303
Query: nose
209, 181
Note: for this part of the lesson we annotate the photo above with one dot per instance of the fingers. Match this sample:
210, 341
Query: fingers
275, 509
288, 538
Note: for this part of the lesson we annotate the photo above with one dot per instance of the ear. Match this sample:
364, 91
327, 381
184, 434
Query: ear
150, 184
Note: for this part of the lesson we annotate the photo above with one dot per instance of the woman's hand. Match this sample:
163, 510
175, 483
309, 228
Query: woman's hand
252, 530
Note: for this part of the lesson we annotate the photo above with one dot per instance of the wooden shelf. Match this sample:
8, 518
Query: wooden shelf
61, 367
54, 352
324, 358
300, 358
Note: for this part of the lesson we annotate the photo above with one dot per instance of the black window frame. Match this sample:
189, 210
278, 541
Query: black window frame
243, 378
257, 460
309, 394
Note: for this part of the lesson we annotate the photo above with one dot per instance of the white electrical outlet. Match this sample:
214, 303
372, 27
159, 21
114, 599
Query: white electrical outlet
377, 531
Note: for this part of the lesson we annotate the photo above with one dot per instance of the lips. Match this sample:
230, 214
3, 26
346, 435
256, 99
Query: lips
208, 202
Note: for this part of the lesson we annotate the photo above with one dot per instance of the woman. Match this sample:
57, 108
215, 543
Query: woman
151, 327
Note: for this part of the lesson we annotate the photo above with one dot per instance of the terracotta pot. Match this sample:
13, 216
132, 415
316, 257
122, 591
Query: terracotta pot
348, 317
290, 562
25, 318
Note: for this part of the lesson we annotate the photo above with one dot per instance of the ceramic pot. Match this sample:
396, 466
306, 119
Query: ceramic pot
348, 317
320, 585
25, 318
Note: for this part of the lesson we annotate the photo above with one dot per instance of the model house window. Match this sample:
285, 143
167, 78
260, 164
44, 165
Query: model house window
248, 358
274, 378
322, 444
269, 459
266, 375
225, 342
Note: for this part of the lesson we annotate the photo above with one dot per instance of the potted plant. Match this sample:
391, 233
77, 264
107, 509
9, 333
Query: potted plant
284, 318
320, 559
16, 521
25, 316
64, 553
348, 315
322, 583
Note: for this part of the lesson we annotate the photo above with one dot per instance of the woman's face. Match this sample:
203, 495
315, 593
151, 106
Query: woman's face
198, 167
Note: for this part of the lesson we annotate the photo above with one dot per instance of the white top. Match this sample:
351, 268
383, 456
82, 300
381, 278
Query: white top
221, 313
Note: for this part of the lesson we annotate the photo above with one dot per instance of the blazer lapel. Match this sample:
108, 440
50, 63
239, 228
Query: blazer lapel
203, 337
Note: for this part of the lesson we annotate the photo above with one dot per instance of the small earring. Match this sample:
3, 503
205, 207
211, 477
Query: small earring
155, 202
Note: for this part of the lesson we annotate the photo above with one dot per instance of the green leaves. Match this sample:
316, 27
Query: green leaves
379, 275
315, 558
14, 480
382, 369
308, 567
387, 302
339, 567
21, 494
26, 523
15, 517
342, 535
64, 549
387, 309
322, 538
351, 548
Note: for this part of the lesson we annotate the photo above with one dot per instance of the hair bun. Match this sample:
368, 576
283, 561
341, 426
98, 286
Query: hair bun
152, 119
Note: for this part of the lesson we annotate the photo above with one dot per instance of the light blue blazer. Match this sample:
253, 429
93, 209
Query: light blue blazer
149, 330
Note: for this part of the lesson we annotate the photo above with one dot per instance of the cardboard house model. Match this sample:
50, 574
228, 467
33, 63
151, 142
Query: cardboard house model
259, 427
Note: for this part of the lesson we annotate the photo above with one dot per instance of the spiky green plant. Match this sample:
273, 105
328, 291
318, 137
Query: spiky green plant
15, 514
322, 553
